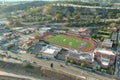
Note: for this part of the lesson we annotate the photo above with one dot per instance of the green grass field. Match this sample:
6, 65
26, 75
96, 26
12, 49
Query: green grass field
67, 41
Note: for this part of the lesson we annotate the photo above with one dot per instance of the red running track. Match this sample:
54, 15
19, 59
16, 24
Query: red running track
88, 40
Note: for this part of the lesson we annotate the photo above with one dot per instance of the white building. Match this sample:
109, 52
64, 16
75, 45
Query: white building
43, 30
107, 43
50, 51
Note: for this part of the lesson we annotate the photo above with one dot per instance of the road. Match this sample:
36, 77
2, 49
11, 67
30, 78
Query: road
85, 6
117, 69
69, 69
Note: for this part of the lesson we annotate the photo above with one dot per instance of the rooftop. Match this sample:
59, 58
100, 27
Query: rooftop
105, 51
51, 50
105, 61
82, 56
107, 43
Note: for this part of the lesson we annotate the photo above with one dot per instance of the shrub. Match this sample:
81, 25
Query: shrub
115, 44
111, 71
103, 70
72, 61
94, 36
82, 64
29, 65
94, 68
66, 60
101, 38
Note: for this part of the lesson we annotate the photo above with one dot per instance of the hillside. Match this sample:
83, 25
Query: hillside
70, 15
25, 6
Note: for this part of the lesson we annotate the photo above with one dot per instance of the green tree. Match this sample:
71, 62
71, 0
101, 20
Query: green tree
29, 66
115, 44
83, 64
110, 15
76, 17
111, 70
113, 25
94, 68
68, 19
101, 38
97, 19
71, 61
103, 70
58, 17
118, 15
66, 60
94, 36
46, 9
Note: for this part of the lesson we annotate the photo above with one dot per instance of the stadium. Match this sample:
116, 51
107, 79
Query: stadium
70, 41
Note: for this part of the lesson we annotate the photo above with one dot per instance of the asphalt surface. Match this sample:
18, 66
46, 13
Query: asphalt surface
117, 71
69, 69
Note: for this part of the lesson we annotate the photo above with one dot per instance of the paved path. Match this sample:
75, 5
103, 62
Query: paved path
68, 69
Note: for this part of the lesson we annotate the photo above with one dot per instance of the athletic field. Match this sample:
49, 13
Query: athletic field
69, 41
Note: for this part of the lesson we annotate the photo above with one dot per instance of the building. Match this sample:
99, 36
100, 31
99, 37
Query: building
58, 30
105, 57
84, 31
87, 58
7, 35
107, 43
100, 1
44, 30
114, 36
49, 51
27, 44
88, 0
9, 45
28, 41
1, 38
112, 28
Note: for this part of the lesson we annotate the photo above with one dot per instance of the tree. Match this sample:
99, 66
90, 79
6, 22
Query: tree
113, 24
115, 44
104, 29
97, 19
46, 9
28, 65
68, 19
94, 36
71, 61
110, 15
111, 70
118, 15
103, 70
82, 64
58, 17
76, 17
66, 60
11, 22
94, 68
101, 38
